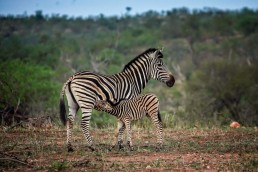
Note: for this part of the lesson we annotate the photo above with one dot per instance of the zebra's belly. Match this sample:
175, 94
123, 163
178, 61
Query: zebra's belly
133, 115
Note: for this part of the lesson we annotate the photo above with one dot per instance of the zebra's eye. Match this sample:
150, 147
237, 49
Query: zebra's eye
159, 64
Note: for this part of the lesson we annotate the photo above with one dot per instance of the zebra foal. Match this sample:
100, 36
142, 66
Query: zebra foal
85, 88
134, 109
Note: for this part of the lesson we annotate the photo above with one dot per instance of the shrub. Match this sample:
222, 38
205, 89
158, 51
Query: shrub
26, 88
224, 86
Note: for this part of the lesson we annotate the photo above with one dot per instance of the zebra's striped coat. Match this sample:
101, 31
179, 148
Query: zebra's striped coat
85, 88
134, 109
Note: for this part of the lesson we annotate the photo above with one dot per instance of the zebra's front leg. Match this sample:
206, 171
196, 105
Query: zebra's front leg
129, 134
85, 125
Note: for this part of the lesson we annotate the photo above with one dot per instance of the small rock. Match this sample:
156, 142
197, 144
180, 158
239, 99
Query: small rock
148, 167
235, 124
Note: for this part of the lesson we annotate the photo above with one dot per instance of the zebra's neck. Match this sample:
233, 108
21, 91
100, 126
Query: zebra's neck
138, 77
134, 77
137, 73
112, 112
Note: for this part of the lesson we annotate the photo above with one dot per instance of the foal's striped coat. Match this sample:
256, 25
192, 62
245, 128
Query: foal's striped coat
134, 109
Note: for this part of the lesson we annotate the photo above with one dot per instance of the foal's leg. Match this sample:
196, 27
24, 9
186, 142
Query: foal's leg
121, 129
156, 120
119, 134
129, 133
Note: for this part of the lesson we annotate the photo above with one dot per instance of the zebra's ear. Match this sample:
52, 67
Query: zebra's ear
159, 53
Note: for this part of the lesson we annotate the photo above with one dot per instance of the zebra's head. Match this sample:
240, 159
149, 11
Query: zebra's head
159, 70
103, 106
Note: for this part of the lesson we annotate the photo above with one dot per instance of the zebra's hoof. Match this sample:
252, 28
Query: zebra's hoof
159, 147
117, 146
120, 147
111, 147
131, 148
130, 145
70, 149
92, 148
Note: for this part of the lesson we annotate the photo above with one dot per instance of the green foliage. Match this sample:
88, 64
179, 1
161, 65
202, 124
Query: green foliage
39, 53
27, 87
103, 120
227, 88
248, 23
58, 166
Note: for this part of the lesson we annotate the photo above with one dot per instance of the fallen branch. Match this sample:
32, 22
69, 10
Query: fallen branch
17, 124
15, 160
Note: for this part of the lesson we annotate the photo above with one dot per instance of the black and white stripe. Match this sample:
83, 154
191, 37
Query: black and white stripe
134, 109
83, 89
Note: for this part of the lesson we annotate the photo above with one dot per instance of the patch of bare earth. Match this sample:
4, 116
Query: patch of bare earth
184, 150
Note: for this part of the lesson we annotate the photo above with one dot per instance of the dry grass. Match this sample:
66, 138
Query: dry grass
190, 150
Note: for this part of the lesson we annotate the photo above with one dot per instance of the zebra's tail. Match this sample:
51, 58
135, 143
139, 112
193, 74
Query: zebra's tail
159, 117
62, 112
62, 105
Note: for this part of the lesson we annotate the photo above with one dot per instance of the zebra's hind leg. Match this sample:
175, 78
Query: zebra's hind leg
85, 125
73, 108
156, 120
69, 134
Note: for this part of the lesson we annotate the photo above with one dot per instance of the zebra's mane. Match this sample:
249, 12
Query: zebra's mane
151, 50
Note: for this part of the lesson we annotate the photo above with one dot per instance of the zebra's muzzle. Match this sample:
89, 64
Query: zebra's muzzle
171, 81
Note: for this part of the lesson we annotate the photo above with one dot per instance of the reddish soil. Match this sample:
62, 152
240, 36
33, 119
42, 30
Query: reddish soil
184, 150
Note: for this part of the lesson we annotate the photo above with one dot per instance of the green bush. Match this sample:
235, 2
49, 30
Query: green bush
222, 87
26, 88
102, 120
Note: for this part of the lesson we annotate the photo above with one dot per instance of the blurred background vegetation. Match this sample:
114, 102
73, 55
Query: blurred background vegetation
212, 53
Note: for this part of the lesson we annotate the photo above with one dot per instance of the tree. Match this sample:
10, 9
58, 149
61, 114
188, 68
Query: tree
226, 85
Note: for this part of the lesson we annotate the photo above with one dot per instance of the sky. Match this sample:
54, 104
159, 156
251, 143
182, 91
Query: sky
85, 8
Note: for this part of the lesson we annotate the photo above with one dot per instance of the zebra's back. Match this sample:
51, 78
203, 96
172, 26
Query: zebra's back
97, 86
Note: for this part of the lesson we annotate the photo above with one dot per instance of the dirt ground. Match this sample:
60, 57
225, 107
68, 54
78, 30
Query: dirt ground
184, 150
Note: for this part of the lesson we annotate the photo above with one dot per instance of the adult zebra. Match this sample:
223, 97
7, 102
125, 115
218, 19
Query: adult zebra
83, 89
